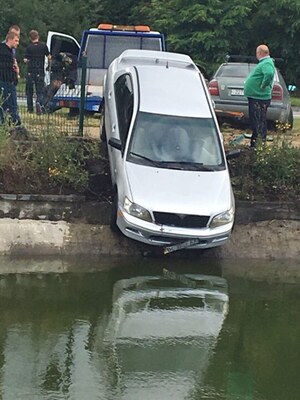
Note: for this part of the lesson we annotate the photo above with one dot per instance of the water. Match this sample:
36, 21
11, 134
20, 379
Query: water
145, 330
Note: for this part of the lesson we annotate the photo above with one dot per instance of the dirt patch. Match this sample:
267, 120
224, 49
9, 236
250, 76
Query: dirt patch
237, 136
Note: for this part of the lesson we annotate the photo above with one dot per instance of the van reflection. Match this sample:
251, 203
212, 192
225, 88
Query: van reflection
162, 331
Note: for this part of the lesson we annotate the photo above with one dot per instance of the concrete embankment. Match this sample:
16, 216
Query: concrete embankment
68, 225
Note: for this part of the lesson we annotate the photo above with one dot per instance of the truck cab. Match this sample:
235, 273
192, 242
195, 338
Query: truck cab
99, 47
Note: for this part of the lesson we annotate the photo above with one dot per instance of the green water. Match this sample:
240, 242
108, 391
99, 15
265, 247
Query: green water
136, 332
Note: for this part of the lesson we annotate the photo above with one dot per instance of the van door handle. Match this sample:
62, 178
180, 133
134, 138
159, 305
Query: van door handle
109, 94
113, 128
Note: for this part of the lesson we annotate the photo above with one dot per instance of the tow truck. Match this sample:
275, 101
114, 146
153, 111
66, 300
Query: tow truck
99, 46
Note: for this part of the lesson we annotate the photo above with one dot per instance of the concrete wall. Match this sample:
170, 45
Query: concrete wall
68, 225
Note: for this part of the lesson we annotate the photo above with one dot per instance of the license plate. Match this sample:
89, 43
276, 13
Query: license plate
181, 246
237, 92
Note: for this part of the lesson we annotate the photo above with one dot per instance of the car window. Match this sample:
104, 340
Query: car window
124, 104
166, 138
237, 70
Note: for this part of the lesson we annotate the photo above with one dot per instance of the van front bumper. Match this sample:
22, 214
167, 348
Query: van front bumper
163, 235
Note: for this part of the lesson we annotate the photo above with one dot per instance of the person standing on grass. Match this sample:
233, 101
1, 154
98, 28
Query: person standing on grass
9, 73
35, 54
258, 90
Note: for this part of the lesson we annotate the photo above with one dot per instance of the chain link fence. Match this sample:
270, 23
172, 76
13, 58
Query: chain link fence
47, 101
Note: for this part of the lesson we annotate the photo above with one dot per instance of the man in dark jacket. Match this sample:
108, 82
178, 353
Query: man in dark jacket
35, 54
9, 72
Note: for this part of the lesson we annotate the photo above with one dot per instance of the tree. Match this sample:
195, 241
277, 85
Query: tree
207, 30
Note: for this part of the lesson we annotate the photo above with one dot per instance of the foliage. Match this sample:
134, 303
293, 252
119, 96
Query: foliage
206, 30
270, 172
48, 164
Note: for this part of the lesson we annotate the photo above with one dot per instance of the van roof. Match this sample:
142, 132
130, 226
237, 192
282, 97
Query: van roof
161, 58
121, 32
172, 91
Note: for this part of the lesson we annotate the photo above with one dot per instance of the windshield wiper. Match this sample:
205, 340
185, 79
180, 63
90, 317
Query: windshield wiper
195, 166
182, 165
153, 162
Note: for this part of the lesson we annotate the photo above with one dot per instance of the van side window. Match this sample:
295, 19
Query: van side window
124, 104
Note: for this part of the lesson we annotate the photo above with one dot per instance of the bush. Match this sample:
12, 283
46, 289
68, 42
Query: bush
270, 172
48, 164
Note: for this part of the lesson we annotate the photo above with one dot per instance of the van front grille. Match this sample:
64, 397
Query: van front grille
181, 220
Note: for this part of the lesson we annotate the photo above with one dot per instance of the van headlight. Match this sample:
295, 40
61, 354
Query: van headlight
223, 218
136, 210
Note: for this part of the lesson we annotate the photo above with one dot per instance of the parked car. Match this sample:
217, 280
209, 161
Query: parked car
167, 161
227, 91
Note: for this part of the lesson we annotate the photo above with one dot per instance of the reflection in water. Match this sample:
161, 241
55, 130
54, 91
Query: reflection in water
162, 332
145, 332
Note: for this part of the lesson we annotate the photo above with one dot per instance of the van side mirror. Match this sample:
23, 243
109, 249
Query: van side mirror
233, 154
115, 143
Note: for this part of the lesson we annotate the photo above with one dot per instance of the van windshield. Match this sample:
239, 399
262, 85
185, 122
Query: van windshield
167, 139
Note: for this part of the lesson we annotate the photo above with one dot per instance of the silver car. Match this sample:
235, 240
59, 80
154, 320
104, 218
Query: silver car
167, 161
227, 91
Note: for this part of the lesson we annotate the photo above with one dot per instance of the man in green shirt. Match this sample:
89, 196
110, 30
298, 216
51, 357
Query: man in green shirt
258, 90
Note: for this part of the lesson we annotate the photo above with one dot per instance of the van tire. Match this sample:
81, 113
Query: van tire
113, 214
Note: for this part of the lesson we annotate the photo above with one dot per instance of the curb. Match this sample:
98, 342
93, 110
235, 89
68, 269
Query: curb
72, 208
46, 225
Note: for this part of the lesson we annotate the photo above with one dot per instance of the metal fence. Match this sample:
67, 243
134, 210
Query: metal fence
39, 106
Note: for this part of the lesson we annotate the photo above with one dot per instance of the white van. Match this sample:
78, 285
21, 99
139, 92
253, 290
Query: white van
168, 166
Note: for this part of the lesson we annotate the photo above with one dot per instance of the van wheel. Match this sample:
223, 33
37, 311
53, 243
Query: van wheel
113, 214
102, 125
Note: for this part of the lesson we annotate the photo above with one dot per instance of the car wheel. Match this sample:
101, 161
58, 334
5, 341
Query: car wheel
291, 119
114, 214
102, 125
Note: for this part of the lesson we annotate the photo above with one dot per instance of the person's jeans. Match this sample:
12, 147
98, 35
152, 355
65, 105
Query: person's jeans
258, 118
35, 81
8, 102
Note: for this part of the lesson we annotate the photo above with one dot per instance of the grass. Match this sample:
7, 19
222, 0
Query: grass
58, 122
296, 127
295, 101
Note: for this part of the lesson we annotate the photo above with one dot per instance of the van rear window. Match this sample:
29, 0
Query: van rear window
114, 46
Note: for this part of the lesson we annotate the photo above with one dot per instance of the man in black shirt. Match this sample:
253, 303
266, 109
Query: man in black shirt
9, 72
35, 54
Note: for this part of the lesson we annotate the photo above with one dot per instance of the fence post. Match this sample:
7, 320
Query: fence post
82, 93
